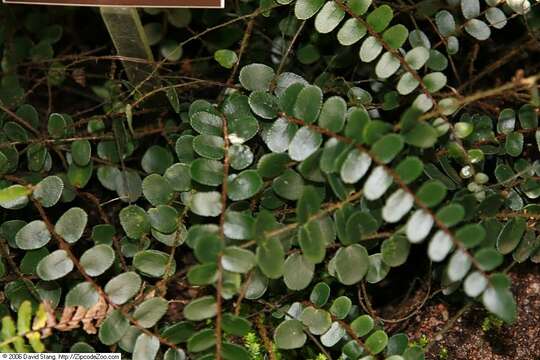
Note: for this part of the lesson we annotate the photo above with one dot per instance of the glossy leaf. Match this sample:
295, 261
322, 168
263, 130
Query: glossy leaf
308, 104
256, 77
510, 235
289, 335
244, 185
352, 263
297, 272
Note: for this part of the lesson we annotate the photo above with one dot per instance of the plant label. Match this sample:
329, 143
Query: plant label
126, 3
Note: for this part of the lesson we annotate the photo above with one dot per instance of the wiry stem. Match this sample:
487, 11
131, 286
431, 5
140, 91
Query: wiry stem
516, 84
219, 284
419, 203
264, 335
407, 67
18, 119
63, 245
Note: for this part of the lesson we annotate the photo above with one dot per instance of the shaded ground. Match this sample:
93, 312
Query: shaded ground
466, 340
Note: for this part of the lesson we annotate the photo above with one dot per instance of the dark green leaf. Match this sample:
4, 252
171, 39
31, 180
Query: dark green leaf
256, 77
244, 185
320, 294
431, 193
290, 335
308, 104
200, 309
380, 18
510, 235
352, 263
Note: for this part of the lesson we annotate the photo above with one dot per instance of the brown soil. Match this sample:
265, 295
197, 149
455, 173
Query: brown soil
465, 339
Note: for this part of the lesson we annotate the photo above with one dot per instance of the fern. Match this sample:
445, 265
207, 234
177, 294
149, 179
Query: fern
235, 217
25, 334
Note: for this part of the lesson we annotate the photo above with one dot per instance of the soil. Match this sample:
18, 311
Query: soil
466, 340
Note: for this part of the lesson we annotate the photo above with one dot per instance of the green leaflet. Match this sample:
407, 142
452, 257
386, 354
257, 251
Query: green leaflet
351, 264
265, 164
308, 104
199, 309
256, 77
304, 9
289, 335
510, 235
379, 18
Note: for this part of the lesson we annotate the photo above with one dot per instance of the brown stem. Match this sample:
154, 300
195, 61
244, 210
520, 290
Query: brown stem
348, 329
18, 119
516, 84
243, 47
289, 49
105, 219
419, 203
219, 284
264, 336
238, 304
408, 69
63, 245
